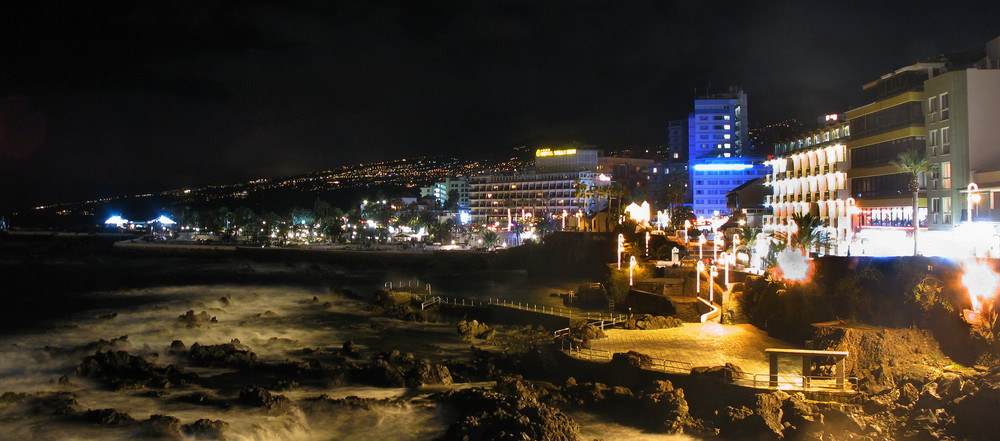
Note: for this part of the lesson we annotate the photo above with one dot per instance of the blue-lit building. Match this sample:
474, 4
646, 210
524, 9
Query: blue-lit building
713, 178
718, 138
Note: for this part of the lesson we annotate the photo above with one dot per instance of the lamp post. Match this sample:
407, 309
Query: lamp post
713, 271
792, 229
973, 197
701, 244
564, 219
631, 264
697, 277
715, 244
579, 221
725, 261
621, 249
647, 244
687, 226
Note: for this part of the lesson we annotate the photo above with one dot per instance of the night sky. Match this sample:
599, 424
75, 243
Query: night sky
108, 98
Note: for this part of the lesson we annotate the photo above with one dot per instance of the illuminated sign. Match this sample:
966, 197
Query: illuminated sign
549, 152
722, 167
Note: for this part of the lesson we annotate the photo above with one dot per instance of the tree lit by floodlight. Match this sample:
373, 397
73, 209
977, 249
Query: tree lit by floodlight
793, 265
982, 283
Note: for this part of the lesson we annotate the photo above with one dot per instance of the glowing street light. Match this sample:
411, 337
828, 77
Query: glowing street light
713, 271
725, 260
715, 245
792, 229
697, 277
631, 264
701, 243
687, 226
564, 219
647, 244
973, 197
621, 249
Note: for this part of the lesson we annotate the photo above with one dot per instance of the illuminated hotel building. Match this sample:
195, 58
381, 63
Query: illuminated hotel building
550, 190
891, 124
809, 176
717, 138
713, 178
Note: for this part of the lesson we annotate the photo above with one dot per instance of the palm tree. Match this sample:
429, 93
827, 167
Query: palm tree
808, 235
914, 163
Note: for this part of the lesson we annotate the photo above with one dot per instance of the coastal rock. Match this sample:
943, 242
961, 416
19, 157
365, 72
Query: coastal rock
471, 328
664, 408
160, 426
350, 349
761, 422
426, 373
258, 397
107, 417
231, 355
379, 373
726, 374
630, 358
908, 394
120, 370
648, 321
192, 320
207, 429
489, 415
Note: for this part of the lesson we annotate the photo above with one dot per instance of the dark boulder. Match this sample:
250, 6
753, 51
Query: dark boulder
426, 373
230, 355
120, 370
726, 374
107, 417
160, 426
257, 397
489, 415
207, 429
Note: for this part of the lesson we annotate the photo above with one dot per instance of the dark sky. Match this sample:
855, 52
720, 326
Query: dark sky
105, 98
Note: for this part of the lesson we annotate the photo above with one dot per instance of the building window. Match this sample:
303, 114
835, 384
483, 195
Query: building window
932, 142
946, 209
936, 205
932, 108
677, 155
944, 107
945, 140
946, 175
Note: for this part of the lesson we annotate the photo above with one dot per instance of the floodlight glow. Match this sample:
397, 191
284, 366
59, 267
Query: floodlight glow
722, 167
163, 220
981, 281
116, 220
793, 265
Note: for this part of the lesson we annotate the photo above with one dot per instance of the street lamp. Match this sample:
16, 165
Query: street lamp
713, 271
647, 244
621, 249
564, 219
701, 244
725, 260
973, 197
697, 276
736, 248
793, 228
631, 264
687, 226
715, 244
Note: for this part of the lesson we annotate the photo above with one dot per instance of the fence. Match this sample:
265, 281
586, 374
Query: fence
812, 382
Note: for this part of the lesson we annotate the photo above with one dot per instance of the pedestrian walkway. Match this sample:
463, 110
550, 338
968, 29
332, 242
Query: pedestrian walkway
701, 344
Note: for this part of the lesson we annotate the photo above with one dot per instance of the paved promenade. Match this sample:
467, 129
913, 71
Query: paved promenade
702, 344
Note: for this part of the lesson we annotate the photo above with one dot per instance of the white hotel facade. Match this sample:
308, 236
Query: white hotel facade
809, 175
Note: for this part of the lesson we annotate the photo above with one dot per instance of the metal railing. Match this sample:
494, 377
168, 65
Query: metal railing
598, 319
799, 382
665, 365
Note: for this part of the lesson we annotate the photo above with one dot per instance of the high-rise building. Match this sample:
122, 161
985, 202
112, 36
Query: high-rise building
718, 151
718, 127
892, 123
555, 188
962, 115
